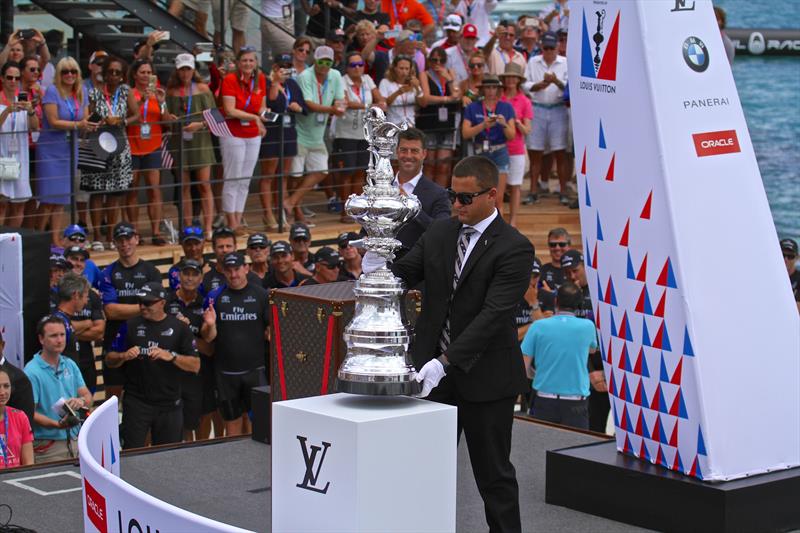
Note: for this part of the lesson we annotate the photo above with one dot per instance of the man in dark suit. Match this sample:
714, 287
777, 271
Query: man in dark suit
411, 155
475, 269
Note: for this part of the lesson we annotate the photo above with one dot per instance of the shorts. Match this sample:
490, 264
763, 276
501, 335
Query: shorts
548, 129
516, 169
235, 12
151, 161
235, 389
499, 158
113, 377
209, 380
350, 154
440, 140
192, 399
271, 144
310, 159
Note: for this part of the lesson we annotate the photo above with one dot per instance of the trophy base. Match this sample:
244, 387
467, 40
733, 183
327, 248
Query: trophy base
369, 387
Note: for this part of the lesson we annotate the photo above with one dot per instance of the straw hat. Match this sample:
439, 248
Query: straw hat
514, 70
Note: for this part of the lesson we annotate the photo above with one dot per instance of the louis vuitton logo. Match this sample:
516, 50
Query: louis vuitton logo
312, 475
680, 5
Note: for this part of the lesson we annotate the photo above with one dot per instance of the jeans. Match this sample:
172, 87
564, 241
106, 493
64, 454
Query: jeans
573, 413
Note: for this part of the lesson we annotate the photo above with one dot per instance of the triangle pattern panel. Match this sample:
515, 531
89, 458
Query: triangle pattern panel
661, 341
642, 274
662, 302
667, 276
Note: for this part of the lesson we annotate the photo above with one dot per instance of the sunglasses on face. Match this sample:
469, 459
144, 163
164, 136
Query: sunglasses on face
476, 65
548, 48
465, 198
68, 71
12, 78
258, 247
34, 69
78, 238
148, 303
557, 244
435, 60
303, 50
790, 257
324, 62
356, 64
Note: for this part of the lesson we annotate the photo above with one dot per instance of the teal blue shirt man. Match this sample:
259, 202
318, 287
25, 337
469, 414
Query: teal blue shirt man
55, 380
321, 86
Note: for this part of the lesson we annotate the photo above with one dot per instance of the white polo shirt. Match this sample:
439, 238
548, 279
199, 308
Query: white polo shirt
535, 72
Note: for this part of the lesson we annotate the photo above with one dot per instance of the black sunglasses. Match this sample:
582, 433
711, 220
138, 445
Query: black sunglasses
790, 257
77, 238
465, 198
114, 72
148, 303
12, 78
557, 244
34, 69
258, 247
67, 71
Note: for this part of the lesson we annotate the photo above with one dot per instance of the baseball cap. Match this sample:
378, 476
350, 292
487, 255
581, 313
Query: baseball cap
452, 22
99, 54
404, 35
151, 291
344, 238
490, 80
549, 40
233, 259
299, 231
191, 264
76, 250
789, 245
571, 258
257, 240
469, 30
124, 230
59, 261
224, 231
323, 52
74, 229
192, 233
335, 35
280, 247
328, 256
536, 269
282, 59
184, 60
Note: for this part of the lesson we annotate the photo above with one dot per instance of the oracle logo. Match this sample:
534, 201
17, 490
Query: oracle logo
96, 507
716, 143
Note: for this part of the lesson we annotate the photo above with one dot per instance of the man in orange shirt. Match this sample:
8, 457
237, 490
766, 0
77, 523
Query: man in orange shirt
401, 11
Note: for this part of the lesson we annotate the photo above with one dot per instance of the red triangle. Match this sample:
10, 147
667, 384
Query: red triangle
597, 316
656, 433
660, 307
673, 439
660, 460
623, 326
693, 470
594, 257
608, 354
642, 275
646, 209
642, 449
658, 341
103, 456
674, 409
637, 396
610, 173
676, 376
676, 463
608, 291
627, 448
623, 356
656, 401
637, 367
640, 302
662, 278
623, 241
622, 415
611, 381
583, 164
638, 426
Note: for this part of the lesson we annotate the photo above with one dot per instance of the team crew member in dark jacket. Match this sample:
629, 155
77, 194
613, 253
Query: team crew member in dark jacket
350, 268
327, 263
236, 321
281, 268
223, 242
119, 285
192, 242
153, 350
198, 391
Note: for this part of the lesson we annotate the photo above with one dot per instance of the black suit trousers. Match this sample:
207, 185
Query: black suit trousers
487, 428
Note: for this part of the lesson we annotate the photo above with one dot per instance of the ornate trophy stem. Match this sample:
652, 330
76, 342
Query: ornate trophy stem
377, 360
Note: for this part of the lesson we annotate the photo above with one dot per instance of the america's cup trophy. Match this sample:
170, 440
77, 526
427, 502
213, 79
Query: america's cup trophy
377, 361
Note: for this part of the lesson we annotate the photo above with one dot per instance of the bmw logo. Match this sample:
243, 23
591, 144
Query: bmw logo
695, 54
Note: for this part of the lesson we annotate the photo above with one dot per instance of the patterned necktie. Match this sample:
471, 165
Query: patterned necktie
463, 244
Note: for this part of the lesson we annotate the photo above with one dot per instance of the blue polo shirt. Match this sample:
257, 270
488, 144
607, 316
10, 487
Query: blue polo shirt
475, 113
560, 348
49, 385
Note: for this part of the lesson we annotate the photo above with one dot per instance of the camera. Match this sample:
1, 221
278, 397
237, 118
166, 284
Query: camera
22, 97
269, 116
26, 34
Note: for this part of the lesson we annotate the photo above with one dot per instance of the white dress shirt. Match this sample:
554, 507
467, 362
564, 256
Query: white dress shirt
480, 227
410, 185
535, 72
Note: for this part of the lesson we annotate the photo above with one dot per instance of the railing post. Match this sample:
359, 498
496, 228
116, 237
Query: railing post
181, 207
281, 173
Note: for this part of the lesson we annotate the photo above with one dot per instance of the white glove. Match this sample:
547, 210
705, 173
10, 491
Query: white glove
372, 262
430, 375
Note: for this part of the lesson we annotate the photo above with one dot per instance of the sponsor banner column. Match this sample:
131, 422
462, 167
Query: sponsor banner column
11, 324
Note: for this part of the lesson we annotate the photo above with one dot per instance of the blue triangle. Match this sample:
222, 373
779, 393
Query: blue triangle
664, 374
701, 445
628, 332
602, 348
626, 357
648, 309
665, 345
697, 471
602, 136
599, 290
113, 454
645, 431
628, 425
687, 343
646, 451
626, 392
613, 324
613, 297
586, 196
680, 463
645, 335
630, 273
681, 406
662, 437
645, 370
671, 275
587, 256
614, 406
599, 229
587, 65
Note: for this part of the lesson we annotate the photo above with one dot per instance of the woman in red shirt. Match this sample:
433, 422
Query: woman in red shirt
16, 436
144, 136
244, 100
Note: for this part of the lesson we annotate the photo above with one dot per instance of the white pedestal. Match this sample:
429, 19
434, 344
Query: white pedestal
363, 464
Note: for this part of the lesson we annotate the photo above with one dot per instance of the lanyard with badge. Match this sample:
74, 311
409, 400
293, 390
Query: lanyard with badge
360, 92
249, 96
441, 84
486, 143
13, 142
72, 108
144, 129
187, 135
321, 88
4, 442
111, 107
397, 25
287, 95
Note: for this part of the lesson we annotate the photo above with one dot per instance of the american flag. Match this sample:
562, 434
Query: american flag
216, 123
166, 155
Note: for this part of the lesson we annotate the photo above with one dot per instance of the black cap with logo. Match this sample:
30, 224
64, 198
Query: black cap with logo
280, 247
258, 240
299, 231
233, 259
191, 264
789, 245
58, 261
76, 250
152, 291
124, 230
327, 256
344, 238
571, 258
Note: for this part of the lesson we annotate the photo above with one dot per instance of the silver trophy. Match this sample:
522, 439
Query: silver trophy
377, 361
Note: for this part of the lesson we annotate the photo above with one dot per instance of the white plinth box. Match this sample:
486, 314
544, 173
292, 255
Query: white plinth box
363, 464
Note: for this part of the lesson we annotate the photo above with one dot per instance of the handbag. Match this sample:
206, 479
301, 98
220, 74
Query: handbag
9, 169
88, 161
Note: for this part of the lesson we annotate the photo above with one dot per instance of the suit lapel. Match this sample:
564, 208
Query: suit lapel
486, 240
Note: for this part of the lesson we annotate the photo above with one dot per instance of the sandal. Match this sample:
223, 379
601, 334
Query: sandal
97, 246
158, 240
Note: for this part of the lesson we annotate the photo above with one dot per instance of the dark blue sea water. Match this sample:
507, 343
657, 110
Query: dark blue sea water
769, 88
